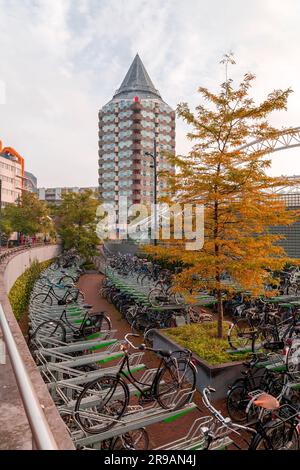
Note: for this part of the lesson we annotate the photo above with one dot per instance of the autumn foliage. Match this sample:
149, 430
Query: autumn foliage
229, 178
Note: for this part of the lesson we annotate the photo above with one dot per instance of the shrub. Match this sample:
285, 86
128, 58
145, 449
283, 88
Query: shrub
19, 294
202, 340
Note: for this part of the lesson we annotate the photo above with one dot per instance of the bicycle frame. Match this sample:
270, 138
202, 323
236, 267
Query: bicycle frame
135, 382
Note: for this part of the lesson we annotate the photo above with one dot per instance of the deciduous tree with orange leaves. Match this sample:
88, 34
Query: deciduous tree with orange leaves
229, 178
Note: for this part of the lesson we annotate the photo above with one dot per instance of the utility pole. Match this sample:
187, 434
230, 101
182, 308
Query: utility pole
154, 166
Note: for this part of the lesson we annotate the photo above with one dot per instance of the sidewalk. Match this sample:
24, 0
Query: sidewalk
14, 428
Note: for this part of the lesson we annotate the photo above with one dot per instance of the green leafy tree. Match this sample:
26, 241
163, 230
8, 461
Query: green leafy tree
6, 228
76, 222
29, 216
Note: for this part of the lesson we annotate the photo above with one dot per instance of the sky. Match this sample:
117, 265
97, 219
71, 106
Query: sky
62, 60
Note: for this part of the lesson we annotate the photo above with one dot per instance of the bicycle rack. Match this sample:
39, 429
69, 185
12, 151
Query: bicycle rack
60, 362
131, 422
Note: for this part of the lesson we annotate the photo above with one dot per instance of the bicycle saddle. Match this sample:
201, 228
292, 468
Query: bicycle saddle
163, 353
268, 402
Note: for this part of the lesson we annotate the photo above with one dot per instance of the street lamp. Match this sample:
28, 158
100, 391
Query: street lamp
154, 166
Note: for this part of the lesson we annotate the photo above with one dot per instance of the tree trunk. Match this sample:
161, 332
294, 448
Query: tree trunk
218, 270
220, 313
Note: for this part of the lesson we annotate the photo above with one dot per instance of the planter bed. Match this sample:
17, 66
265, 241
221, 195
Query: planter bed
219, 376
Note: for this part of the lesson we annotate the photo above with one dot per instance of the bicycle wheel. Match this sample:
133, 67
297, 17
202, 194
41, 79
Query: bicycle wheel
240, 334
43, 299
66, 280
237, 401
130, 314
101, 404
292, 359
95, 324
157, 298
50, 329
277, 435
138, 325
175, 384
133, 440
264, 337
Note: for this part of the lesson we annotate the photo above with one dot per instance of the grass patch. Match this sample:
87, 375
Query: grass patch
19, 294
202, 340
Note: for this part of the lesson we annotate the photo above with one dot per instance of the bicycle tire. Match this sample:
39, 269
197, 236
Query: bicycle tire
277, 441
96, 324
236, 401
92, 390
43, 299
157, 297
49, 329
237, 335
166, 392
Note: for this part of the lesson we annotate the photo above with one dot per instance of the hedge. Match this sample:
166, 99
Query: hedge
19, 294
202, 340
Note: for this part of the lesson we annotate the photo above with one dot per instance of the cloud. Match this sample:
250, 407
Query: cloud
61, 60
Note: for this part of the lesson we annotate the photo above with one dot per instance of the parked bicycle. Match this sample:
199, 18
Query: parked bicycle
72, 294
90, 324
172, 386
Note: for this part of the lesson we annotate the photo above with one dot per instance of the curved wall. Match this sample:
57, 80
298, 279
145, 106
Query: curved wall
17, 265
14, 428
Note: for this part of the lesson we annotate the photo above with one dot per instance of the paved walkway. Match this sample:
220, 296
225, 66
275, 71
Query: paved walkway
14, 428
159, 434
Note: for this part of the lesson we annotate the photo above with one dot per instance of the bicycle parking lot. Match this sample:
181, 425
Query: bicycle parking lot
96, 371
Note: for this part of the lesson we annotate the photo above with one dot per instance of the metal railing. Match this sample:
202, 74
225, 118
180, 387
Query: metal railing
43, 438
10, 251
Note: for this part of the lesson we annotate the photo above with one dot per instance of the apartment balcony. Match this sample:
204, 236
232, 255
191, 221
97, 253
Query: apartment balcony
136, 126
136, 146
136, 117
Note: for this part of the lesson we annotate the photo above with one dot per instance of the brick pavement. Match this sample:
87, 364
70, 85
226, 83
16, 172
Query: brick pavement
159, 433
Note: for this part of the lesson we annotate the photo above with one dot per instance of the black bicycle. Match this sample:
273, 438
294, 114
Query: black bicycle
103, 402
253, 378
91, 324
72, 294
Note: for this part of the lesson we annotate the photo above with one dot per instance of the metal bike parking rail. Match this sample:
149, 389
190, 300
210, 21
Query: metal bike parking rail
42, 435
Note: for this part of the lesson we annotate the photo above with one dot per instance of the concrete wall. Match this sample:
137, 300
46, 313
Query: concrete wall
23, 261
14, 428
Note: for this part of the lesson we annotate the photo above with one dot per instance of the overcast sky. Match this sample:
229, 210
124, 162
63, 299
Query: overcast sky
61, 60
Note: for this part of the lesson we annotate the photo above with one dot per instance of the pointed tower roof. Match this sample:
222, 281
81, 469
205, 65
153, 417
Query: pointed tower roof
137, 82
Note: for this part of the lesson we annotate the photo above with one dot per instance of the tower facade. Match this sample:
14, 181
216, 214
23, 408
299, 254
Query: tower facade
134, 122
